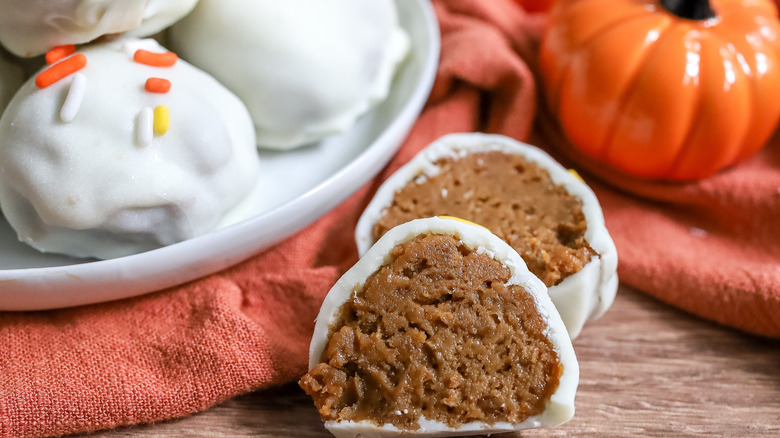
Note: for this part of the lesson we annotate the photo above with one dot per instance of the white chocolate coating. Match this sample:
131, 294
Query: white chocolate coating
560, 407
11, 78
92, 188
306, 69
581, 297
33, 27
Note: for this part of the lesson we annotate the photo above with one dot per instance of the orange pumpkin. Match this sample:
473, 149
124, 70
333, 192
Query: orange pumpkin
669, 89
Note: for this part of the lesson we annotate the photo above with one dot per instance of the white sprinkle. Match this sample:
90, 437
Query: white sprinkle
397, 412
74, 99
145, 126
444, 193
698, 232
406, 411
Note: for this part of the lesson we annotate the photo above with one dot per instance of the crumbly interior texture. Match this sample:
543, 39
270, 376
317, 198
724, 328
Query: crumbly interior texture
437, 334
511, 196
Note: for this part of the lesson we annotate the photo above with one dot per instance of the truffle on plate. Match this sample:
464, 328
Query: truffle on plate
546, 213
122, 148
33, 27
306, 69
440, 329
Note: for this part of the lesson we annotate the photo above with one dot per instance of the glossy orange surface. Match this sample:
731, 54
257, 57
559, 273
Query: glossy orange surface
658, 96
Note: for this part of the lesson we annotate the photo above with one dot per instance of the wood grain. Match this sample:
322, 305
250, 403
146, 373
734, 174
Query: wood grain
646, 369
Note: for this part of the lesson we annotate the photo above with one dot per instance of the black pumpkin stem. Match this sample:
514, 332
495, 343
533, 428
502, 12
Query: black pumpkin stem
689, 9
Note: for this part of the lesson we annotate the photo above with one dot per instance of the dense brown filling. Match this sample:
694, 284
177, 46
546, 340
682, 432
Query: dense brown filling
436, 334
512, 197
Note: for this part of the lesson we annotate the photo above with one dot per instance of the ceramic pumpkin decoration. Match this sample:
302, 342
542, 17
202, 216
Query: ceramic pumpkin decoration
669, 89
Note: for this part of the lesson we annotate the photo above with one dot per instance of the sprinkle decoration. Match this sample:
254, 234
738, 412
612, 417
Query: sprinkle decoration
162, 119
61, 70
157, 85
72, 104
146, 126
59, 53
167, 59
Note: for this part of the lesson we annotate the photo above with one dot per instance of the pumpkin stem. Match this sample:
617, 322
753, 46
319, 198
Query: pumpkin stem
689, 9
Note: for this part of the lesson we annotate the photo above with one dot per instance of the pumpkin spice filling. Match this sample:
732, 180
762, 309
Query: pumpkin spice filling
511, 196
436, 334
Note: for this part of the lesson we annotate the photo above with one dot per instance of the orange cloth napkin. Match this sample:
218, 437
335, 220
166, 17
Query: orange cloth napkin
711, 248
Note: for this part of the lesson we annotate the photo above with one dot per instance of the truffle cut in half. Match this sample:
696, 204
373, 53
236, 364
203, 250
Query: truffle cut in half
440, 330
546, 213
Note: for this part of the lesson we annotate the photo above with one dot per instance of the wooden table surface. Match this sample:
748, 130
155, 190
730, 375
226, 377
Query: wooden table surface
646, 369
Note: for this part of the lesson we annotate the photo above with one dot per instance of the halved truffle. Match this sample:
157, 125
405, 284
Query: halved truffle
440, 329
520, 193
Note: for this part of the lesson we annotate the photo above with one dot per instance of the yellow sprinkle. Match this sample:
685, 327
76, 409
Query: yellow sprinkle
162, 119
462, 220
576, 175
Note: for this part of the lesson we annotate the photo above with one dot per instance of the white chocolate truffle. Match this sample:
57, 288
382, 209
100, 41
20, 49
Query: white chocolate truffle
95, 165
558, 409
33, 27
306, 69
11, 78
580, 297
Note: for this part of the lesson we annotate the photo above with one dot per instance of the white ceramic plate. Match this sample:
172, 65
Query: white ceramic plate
296, 188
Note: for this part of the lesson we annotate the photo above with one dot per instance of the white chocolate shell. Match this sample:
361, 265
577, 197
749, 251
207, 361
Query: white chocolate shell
86, 171
33, 27
560, 407
581, 297
306, 69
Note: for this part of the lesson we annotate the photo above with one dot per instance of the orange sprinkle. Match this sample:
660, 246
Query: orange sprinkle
61, 70
158, 85
59, 52
166, 59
